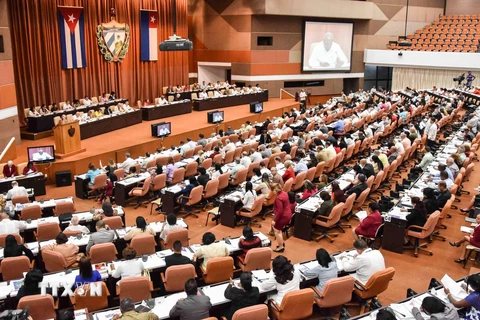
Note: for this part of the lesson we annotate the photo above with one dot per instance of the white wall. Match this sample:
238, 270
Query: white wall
211, 74
423, 59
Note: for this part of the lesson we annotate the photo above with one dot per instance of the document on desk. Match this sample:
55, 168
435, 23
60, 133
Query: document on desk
311, 204
5, 289
107, 315
216, 293
163, 305
455, 288
260, 275
361, 215
343, 184
165, 253
347, 254
174, 189
466, 229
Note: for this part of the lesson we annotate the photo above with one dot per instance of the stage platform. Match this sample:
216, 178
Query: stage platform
137, 139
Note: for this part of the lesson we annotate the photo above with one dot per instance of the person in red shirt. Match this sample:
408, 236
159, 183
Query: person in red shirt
310, 190
30, 168
10, 170
282, 215
249, 241
289, 173
368, 227
473, 239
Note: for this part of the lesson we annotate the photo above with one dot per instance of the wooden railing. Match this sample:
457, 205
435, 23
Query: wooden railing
9, 152
286, 95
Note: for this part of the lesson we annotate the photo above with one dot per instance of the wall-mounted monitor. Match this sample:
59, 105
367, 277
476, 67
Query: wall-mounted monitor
42, 154
161, 129
256, 107
327, 46
215, 116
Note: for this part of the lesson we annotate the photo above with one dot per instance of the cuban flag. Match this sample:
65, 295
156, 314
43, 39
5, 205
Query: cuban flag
148, 35
72, 37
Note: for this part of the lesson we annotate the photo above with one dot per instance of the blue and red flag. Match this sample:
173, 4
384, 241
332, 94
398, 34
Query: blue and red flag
72, 37
148, 35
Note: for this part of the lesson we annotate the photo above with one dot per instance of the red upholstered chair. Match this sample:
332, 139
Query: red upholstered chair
135, 288
3, 236
176, 276
91, 302
113, 222
39, 307
54, 261
143, 244
47, 231
103, 252
141, 192
14, 267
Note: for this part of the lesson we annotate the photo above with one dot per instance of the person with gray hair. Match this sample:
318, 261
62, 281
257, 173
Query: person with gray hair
127, 308
452, 166
74, 226
327, 54
237, 167
103, 235
16, 191
129, 162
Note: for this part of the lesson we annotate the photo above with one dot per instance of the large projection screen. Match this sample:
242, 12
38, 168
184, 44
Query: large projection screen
327, 46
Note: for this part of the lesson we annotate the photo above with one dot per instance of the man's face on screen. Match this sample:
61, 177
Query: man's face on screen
328, 41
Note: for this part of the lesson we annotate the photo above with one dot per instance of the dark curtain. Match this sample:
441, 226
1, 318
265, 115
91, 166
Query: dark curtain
39, 77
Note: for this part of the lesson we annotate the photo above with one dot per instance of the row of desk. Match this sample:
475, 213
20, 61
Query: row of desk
95, 127
167, 110
229, 101
45, 122
35, 181
163, 305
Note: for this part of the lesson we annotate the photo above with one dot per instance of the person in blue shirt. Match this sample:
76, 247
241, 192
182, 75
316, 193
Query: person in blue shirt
87, 274
92, 173
338, 126
472, 301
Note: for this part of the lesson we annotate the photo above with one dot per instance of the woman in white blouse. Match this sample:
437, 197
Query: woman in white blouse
217, 172
249, 196
283, 277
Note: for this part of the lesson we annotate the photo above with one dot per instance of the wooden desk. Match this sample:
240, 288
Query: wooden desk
229, 101
108, 124
33, 181
303, 225
227, 212
45, 122
167, 110
393, 235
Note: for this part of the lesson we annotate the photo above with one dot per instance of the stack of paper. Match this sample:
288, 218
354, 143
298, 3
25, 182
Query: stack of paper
466, 229
260, 274
163, 305
361, 215
455, 288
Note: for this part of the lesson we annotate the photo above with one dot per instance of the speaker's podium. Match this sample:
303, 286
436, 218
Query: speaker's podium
67, 139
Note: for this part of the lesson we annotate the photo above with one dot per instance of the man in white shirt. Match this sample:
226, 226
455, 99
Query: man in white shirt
67, 106
432, 132
163, 101
238, 166
405, 141
184, 147
74, 226
127, 163
365, 263
255, 156
191, 143
330, 150
203, 94
327, 54
229, 146
303, 96
16, 191
368, 131
8, 226
245, 161
41, 155
87, 102
217, 94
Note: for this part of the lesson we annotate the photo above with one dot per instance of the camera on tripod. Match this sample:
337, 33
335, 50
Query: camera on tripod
459, 79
